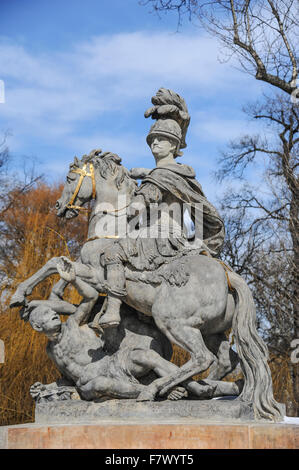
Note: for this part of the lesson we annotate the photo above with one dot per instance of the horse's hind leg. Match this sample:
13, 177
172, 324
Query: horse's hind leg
227, 358
186, 335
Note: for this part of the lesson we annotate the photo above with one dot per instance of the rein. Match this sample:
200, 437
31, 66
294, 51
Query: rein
82, 172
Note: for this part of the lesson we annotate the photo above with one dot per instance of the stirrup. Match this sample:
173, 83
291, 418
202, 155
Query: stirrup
112, 324
96, 327
109, 323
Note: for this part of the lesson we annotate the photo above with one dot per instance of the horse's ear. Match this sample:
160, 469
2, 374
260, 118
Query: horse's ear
116, 158
76, 161
95, 153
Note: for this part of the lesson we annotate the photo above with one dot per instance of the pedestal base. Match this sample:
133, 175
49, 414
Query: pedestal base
150, 436
79, 411
125, 424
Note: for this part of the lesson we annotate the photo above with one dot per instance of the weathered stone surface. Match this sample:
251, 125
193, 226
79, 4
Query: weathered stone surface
77, 411
3, 437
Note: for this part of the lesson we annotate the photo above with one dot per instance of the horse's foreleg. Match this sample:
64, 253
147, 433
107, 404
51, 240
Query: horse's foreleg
26, 287
86, 273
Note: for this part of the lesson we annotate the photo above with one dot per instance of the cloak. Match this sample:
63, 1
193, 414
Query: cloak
180, 181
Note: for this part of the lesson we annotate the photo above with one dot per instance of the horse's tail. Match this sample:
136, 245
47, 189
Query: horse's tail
253, 354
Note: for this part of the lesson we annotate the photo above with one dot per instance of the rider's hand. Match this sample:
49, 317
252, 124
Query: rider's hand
139, 173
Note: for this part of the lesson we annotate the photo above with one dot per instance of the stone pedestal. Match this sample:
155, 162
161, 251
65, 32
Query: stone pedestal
125, 424
130, 435
76, 411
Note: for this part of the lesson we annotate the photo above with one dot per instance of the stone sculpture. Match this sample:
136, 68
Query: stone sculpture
163, 283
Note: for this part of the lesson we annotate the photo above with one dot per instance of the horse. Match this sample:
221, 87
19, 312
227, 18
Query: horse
194, 313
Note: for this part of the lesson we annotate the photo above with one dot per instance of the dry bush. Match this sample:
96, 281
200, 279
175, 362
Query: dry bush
26, 362
33, 235
282, 382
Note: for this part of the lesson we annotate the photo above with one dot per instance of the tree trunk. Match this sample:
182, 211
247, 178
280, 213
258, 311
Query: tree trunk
294, 230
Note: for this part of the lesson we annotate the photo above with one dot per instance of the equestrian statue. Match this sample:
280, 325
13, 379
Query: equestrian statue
150, 275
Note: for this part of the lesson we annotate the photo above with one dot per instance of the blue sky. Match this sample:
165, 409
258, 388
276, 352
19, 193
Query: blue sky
79, 75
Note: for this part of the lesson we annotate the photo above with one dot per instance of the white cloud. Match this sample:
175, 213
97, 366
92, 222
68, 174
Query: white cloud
209, 128
107, 73
64, 102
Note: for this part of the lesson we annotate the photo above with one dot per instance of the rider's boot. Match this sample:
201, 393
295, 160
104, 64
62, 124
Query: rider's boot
116, 291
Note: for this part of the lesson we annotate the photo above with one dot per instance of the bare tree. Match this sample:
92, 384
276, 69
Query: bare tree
11, 183
263, 233
262, 34
263, 229
259, 249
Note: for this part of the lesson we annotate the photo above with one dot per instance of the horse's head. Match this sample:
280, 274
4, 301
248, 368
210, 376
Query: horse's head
98, 176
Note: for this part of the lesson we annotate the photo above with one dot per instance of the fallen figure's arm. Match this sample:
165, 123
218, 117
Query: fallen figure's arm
60, 306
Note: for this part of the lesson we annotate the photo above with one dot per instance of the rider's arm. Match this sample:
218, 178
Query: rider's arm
145, 195
150, 193
139, 173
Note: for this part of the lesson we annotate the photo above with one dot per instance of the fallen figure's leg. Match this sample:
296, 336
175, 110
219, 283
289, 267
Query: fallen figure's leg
202, 389
94, 382
150, 360
102, 386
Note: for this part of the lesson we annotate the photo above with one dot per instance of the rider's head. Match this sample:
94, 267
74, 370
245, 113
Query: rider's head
44, 320
165, 137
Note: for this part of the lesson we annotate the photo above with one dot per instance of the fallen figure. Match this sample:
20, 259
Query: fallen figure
87, 363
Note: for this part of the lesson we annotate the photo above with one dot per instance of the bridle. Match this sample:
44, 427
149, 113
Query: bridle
82, 172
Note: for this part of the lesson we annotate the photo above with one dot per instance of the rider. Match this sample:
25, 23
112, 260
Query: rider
169, 185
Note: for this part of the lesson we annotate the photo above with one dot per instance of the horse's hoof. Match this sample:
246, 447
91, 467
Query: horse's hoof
146, 396
17, 301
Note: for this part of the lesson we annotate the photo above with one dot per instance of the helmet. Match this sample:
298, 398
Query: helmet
167, 127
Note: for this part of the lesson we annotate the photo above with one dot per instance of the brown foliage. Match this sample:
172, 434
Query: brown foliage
32, 235
26, 362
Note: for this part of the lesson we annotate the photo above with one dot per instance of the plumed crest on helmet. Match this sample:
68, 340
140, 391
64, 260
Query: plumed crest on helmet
170, 105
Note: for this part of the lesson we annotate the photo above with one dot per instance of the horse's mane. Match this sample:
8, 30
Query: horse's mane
106, 163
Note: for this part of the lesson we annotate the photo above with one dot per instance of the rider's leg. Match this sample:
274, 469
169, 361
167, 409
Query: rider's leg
116, 285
